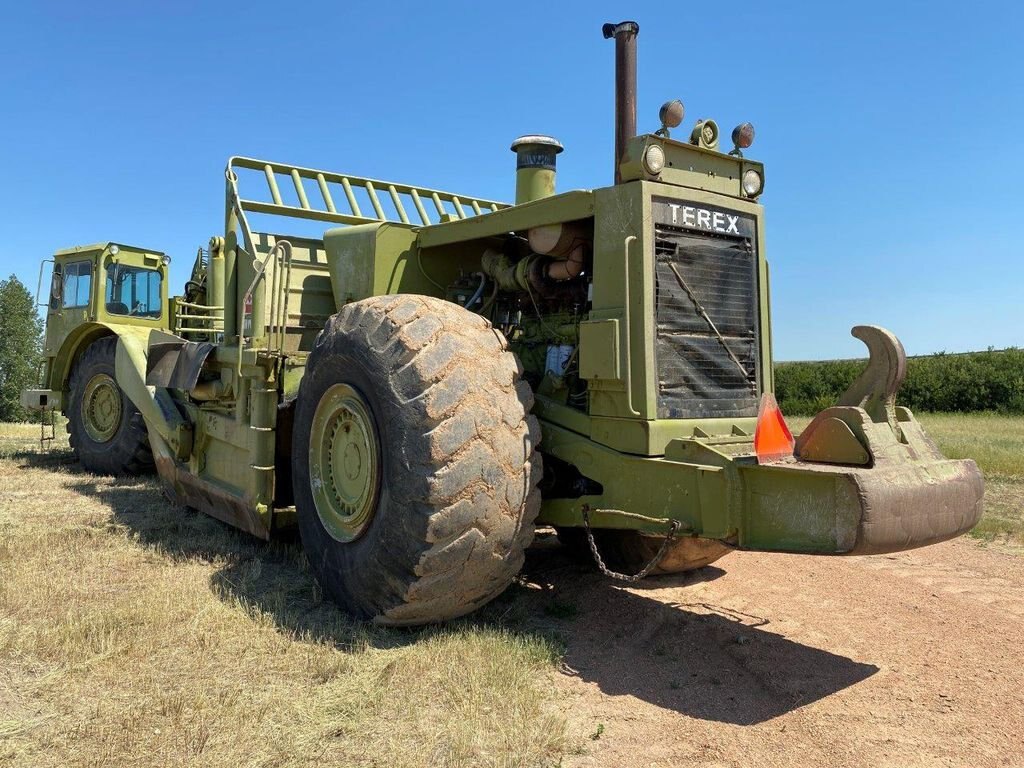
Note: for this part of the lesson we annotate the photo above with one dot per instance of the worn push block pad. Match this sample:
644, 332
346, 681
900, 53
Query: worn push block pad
914, 504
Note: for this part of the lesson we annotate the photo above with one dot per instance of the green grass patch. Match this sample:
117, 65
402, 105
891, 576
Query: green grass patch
996, 442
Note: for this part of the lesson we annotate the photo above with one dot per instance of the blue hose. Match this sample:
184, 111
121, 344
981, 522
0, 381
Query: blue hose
479, 291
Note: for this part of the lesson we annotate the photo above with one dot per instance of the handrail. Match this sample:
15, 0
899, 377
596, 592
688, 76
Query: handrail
208, 319
627, 328
193, 305
372, 188
276, 323
39, 284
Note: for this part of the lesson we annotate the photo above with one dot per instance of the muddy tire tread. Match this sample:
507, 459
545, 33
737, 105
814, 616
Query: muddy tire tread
462, 508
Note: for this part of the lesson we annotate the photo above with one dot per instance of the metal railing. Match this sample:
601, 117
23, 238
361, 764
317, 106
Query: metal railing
198, 318
429, 206
277, 316
447, 205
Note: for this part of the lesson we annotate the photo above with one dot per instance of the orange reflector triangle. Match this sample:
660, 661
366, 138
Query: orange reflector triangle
772, 439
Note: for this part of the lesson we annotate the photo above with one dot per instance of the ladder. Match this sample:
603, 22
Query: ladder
47, 420
310, 197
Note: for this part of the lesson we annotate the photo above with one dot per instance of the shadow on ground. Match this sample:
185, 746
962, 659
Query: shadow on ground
693, 657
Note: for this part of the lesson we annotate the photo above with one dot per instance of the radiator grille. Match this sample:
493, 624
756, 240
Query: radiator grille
702, 373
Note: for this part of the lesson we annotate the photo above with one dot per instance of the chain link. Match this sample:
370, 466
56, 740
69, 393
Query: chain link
673, 526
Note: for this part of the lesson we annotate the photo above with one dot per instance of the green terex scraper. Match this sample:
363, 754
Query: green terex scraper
437, 374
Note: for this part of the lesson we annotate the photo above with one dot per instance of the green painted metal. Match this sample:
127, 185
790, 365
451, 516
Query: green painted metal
101, 408
535, 167
344, 460
567, 206
430, 205
865, 478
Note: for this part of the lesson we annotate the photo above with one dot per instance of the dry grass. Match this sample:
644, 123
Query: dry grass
136, 633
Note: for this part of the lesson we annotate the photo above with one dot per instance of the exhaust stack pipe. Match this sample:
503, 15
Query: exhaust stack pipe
625, 33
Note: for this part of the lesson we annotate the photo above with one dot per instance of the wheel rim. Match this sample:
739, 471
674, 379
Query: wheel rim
344, 462
101, 408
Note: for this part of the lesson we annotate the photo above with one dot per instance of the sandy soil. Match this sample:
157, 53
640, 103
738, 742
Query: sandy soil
914, 659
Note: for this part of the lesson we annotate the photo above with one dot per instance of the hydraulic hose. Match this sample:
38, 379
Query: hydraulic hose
479, 291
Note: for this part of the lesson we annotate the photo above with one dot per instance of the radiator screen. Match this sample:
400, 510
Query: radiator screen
707, 312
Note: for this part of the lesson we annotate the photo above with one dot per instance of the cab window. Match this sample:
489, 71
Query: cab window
77, 284
133, 291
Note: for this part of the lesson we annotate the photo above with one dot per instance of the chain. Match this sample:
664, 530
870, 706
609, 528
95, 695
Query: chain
673, 526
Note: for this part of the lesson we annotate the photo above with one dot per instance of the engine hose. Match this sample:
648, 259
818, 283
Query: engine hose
568, 268
490, 301
479, 291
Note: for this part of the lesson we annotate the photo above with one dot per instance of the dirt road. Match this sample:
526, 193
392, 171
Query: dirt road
915, 659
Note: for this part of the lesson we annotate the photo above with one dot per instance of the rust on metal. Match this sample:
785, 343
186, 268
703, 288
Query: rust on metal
625, 33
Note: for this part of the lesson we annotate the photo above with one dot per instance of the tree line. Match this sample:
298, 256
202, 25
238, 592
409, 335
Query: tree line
21, 346
951, 383
972, 381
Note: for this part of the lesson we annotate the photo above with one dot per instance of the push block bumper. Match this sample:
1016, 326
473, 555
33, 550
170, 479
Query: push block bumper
817, 508
917, 504
865, 478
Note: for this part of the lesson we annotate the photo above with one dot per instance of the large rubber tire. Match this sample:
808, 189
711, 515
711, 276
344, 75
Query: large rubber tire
457, 495
629, 551
125, 450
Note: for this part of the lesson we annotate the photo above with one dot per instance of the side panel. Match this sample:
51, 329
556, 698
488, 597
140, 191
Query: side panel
374, 259
382, 259
623, 288
304, 303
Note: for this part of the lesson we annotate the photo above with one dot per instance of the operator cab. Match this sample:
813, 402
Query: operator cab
106, 283
133, 283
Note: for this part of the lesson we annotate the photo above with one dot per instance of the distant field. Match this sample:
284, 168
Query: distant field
969, 382
996, 442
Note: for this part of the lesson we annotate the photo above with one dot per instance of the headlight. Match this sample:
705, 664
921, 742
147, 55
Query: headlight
654, 159
743, 135
166, 260
114, 250
752, 183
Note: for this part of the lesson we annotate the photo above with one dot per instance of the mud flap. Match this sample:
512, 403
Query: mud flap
175, 363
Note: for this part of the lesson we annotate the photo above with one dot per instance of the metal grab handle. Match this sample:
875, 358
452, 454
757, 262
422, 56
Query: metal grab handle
285, 249
39, 284
627, 328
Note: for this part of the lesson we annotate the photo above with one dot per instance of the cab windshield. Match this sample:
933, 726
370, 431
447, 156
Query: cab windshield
133, 291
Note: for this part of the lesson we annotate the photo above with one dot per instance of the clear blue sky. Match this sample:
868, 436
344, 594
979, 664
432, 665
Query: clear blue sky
890, 131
